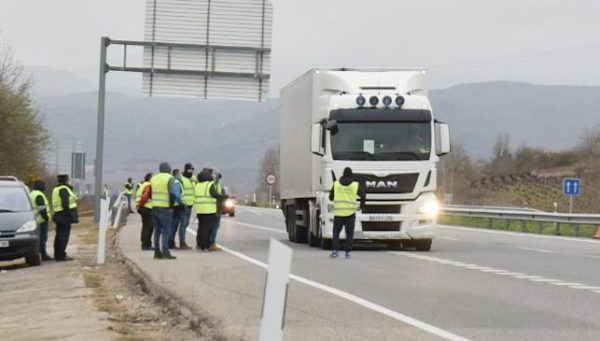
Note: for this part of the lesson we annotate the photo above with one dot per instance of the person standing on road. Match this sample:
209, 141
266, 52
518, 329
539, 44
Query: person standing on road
344, 194
64, 205
206, 196
188, 201
162, 192
144, 208
128, 191
213, 246
42, 214
177, 208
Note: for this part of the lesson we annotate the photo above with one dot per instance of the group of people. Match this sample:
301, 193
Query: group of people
63, 212
165, 202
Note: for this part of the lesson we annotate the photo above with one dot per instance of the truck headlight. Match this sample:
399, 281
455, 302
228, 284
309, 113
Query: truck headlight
28, 226
430, 208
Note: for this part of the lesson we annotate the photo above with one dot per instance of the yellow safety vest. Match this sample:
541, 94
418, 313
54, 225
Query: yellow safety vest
188, 191
128, 188
140, 193
34, 195
160, 190
57, 202
205, 203
344, 199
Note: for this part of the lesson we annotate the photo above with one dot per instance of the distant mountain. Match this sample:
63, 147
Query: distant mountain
51, 82
231, 135
552, 117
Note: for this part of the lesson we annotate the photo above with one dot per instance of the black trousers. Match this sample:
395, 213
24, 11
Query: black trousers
348, 224
205, 223
147, 227
63, 231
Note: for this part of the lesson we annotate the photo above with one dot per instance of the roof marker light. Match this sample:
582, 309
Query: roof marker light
399, 100
387, 101
360, 100
374, 100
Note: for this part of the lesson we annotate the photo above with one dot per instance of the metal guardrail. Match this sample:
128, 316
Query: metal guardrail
522, 214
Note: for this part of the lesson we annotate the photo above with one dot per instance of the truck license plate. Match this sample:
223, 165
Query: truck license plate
3, 243
381, 218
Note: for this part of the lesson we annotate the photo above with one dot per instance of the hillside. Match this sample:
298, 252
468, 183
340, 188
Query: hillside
233, 135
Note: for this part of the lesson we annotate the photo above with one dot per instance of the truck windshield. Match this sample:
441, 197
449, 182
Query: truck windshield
384, 141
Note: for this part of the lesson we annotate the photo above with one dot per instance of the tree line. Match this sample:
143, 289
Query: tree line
23, 138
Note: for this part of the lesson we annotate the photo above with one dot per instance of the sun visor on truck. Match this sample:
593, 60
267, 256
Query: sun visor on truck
380, 115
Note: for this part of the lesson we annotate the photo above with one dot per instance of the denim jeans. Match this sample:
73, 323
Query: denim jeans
174, 225
214, 229
161, 217
43, 237
183, 224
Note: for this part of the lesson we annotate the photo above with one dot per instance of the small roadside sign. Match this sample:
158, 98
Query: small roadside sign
572, 187
271, 179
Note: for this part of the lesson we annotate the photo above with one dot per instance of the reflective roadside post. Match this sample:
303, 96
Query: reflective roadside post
276, 287
102, 227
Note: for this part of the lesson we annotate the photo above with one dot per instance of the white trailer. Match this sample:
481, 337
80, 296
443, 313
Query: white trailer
380, 124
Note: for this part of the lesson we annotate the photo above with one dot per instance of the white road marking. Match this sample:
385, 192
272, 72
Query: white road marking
258, 227
546, 280
485, 269
518, 234
566, 284
449, 238
535, 250
355, 299
584, 287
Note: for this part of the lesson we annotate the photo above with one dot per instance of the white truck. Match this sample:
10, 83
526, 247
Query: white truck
378, 122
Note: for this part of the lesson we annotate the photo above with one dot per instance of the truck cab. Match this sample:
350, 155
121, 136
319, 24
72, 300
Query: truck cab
381, 125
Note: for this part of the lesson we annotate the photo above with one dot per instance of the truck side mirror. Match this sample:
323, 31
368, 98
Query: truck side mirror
316, 139
442, 138
332, 126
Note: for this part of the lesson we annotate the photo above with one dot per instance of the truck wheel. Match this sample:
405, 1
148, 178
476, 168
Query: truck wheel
301, 234
394, 245
290, 222
313, 240
33, 260
423, 245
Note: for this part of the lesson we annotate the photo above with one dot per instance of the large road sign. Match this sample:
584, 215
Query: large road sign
572, 186
214, 49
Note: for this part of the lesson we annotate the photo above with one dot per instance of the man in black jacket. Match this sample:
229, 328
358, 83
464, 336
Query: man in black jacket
64, 204
345, 209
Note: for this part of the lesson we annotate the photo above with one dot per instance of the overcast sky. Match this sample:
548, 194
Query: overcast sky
536, 41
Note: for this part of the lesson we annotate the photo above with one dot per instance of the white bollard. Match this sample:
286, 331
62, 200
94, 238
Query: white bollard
102, 227
280, 262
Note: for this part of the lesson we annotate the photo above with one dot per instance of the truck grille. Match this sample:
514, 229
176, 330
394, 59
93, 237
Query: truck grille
396, 183
388, 209
381, 226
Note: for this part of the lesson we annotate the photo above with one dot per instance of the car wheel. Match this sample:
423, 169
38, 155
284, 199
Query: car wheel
33, 260
232, 214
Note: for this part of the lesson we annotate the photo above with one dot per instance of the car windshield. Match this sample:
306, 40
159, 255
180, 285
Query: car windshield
389, 141
14, 199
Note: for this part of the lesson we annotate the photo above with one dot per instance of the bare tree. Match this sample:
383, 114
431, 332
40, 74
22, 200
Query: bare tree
22, 135
269, 165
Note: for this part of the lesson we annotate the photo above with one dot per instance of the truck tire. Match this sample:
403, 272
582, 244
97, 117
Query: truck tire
290, 222
33, 259
313, 240
326, 244
423, 245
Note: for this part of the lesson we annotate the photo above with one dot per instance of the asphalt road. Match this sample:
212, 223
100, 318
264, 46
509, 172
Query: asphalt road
476, 284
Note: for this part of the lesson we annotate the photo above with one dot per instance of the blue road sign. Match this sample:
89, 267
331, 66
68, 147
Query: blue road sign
572, 186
